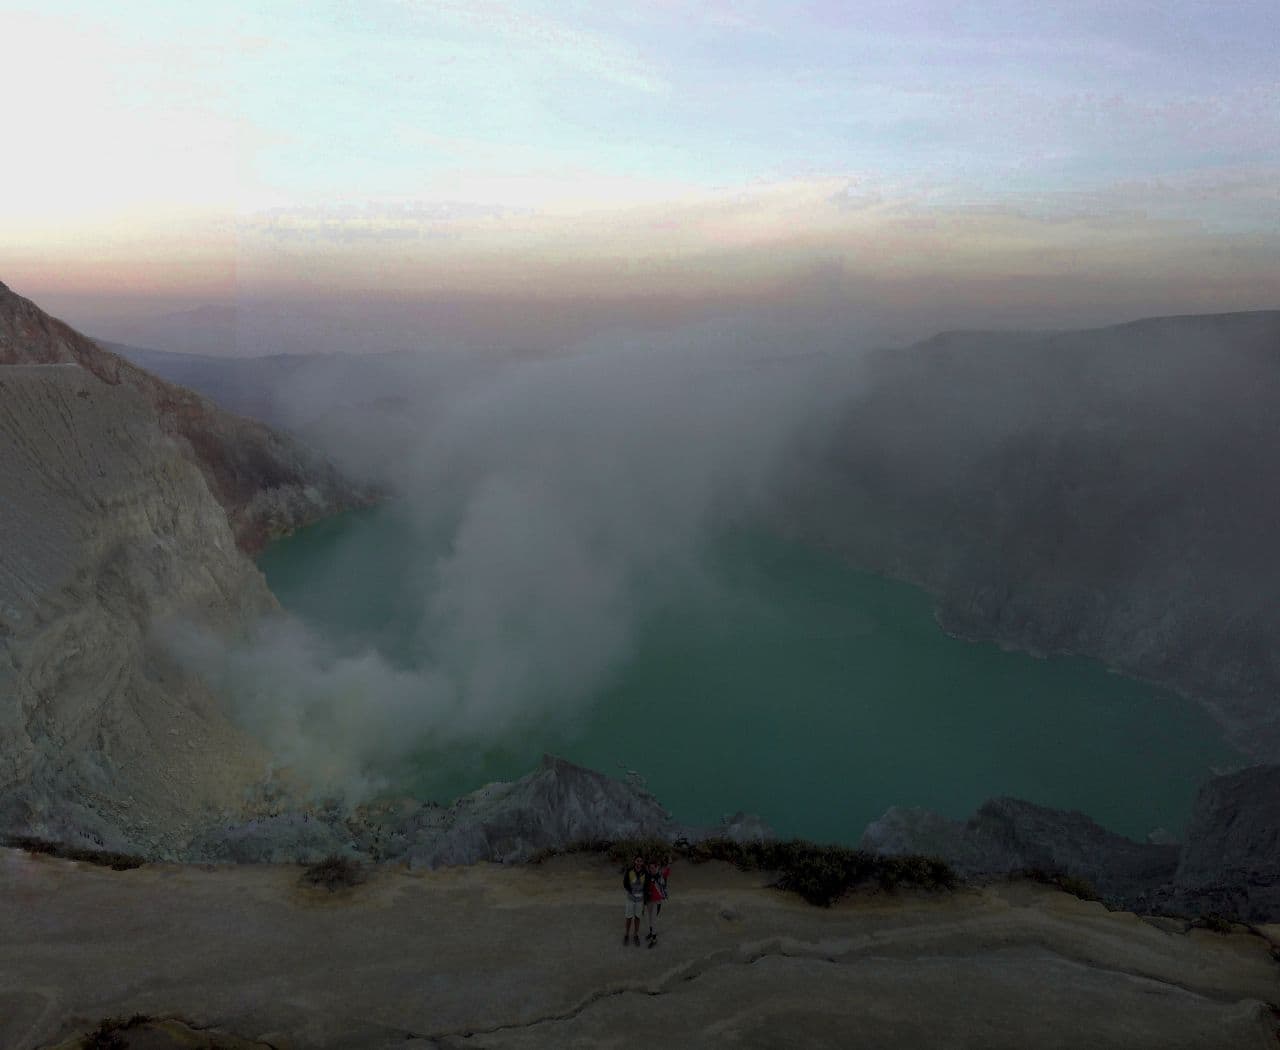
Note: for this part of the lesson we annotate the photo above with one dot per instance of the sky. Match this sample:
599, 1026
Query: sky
911, 165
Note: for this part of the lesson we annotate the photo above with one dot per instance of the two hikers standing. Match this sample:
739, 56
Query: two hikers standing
646, 889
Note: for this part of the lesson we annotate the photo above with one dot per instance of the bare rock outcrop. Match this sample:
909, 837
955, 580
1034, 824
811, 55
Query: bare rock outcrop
1101, 492
1008, 835
268, 484
1229, 863
127, 504
107, 528
559, 804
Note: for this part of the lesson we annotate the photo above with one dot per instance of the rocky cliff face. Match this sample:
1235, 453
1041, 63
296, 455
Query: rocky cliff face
1229, 863
126, 505
1097, 492
266, 482
557, 805
107, 529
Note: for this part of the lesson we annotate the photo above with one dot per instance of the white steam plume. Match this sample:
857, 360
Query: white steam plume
576, 492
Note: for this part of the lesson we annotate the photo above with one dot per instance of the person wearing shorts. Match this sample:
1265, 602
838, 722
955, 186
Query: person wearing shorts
633, 886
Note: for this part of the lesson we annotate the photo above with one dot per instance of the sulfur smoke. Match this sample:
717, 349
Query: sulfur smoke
558, 502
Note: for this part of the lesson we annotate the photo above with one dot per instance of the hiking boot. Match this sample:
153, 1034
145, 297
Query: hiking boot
636, 940
653, 940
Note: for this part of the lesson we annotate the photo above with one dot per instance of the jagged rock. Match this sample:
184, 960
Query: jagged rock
286, 838
1007, 835
557, 805
268, 484
1231, 863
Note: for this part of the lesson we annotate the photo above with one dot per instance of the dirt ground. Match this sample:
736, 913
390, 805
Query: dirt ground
493, 956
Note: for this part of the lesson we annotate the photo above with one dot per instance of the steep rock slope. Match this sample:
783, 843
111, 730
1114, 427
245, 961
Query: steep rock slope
1105, 492
268, 484
107, 529
557, 805
1229, 863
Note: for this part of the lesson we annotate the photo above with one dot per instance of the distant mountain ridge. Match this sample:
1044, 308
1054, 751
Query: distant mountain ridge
1108, 492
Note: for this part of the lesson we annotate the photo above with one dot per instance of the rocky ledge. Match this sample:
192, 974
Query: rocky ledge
1229, 864
557, 805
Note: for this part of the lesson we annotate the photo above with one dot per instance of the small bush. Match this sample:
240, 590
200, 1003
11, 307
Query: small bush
1215, 922
820, 874
107, 1036
1078, 887
545, 854
334, 873
1072, 884
103, 858
625, 850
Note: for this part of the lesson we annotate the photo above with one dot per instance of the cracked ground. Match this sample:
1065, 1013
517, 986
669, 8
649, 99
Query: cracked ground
490, 956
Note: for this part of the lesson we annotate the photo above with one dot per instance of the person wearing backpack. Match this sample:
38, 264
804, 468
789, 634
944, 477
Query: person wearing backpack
655, 892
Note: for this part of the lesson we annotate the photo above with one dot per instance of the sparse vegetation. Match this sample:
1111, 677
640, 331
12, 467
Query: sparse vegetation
1215, 922
108, 1035
103, 858
821, 874
333, 873
1072, 884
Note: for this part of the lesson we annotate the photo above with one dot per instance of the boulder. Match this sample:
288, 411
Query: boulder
1008, 835
1231, 862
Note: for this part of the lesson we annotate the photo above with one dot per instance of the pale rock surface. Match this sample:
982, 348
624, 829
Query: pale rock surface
557, 805
107, 529
500, 956
268, 484
126, 505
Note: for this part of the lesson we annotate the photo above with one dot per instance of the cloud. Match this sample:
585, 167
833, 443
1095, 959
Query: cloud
549, 40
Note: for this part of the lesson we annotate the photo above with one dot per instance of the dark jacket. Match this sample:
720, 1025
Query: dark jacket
634, 883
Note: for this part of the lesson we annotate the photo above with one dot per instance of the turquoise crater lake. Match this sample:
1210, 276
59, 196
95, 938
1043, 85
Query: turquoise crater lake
798, 688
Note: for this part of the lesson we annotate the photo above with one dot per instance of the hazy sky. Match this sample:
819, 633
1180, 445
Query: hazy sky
1119, 157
